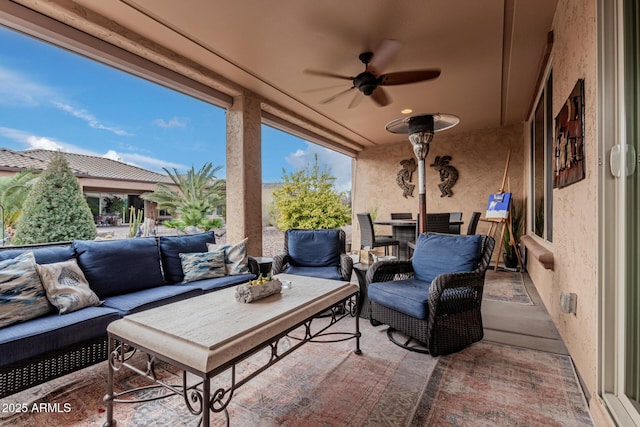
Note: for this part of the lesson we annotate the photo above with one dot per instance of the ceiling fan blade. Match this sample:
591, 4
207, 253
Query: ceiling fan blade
327, 74
337, 95
380, 97
383, 56
404, 77
320, 89
357, 98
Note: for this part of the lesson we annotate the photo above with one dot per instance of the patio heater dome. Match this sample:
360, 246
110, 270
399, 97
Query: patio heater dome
420, 129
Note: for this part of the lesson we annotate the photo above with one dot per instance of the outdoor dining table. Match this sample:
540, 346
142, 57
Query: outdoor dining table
402, 230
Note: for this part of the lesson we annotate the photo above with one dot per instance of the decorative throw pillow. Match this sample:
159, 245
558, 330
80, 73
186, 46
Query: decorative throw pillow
67, 288
22, 296
236, 259
202, 265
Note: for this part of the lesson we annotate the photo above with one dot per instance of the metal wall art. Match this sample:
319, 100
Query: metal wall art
568, 144
448, 175
404, 176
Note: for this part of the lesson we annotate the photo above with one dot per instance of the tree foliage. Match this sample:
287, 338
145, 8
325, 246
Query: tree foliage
199, 194
308, 199
55, 209
13, 192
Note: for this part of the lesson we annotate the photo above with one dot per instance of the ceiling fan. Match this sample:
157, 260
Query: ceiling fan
369, 81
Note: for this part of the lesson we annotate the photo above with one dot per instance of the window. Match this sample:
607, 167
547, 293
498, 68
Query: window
541, 199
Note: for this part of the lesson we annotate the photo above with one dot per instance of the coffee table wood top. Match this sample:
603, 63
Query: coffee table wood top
205, 332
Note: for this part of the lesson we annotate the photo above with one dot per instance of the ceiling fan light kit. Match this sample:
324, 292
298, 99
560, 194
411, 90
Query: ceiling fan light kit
421, 129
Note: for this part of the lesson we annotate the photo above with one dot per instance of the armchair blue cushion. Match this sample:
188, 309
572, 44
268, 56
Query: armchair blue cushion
436, 254
316, 253
314, 248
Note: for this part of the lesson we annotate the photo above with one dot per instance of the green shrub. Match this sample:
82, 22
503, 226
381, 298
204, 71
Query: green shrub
55, 209
308, 199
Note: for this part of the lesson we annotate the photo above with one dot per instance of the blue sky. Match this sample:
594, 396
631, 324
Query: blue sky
54, 99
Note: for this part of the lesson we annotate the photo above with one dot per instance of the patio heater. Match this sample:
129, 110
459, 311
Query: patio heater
420, 129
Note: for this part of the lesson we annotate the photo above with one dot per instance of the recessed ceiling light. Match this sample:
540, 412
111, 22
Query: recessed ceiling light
407, 111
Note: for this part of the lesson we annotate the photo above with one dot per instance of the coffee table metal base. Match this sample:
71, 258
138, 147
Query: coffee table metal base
198, 397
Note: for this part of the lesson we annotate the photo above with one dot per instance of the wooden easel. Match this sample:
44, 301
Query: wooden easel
496, 223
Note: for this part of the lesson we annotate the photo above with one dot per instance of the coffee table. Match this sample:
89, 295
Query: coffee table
209, 334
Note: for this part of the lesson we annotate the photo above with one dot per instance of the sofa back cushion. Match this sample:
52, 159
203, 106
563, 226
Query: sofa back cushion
42, 254
115, 267
436, 254
313, 248
172, 246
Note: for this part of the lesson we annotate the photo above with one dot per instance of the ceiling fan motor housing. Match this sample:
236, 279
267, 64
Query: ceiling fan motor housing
366, 82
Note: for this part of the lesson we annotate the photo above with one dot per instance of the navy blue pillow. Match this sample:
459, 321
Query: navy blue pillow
43, 255
115, 267
314, 248
172, 246
436, 254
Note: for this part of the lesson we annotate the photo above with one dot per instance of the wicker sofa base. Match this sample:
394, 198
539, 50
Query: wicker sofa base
39, 370
448, 333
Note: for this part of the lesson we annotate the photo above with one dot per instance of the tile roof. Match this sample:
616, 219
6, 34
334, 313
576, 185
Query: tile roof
81, 164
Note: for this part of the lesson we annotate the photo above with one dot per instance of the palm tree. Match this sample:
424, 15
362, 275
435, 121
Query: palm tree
13, 192
200, 193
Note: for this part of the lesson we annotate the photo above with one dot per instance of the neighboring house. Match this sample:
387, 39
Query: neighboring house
110, 186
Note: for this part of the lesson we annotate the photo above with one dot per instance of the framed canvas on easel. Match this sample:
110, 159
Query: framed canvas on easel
498, 214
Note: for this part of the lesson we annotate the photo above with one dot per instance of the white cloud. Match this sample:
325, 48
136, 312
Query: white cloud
30, 141
17, 90
174, 122
89, 118
338, 165
150, 162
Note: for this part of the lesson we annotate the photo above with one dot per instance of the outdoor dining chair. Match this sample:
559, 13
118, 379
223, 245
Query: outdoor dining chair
368, 238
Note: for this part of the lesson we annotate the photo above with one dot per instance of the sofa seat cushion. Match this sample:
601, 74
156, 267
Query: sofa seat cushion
332, 273
313, 248
208, 285
42, 254
408, 296
115, 267
172, 246
436, 254
22, 341
149, 298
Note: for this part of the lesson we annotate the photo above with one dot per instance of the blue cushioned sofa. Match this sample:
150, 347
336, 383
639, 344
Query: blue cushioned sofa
128, 275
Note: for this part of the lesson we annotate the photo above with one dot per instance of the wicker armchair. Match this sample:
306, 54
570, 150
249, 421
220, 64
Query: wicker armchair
316, 253
442, 314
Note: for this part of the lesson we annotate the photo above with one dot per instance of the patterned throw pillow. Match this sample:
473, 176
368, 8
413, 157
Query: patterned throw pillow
236, 259
67, 288
202, 265
22, 296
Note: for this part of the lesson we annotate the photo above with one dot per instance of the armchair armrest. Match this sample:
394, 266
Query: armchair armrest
346, 266
456, 292
279, 263
384, 271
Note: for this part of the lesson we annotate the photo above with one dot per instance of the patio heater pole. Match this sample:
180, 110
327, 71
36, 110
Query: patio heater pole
421, 129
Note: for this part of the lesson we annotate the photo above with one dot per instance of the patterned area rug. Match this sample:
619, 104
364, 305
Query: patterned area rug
507, 286
497, 385
316, 385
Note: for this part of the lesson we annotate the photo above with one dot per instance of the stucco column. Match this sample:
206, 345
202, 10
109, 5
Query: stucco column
244, 173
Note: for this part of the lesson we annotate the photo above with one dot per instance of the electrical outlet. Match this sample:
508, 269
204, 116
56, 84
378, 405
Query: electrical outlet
568, 302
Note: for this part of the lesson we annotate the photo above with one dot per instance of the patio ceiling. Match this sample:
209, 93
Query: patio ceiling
490, 53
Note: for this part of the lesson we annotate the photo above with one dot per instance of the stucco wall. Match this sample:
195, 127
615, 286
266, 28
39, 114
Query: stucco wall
479, 156
575, 207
